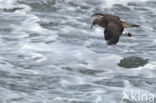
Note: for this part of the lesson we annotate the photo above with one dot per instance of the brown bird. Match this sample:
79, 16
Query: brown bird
113, 27
12, 9
99, 22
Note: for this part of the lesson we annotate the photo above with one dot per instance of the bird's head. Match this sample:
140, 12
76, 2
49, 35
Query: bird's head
96, 21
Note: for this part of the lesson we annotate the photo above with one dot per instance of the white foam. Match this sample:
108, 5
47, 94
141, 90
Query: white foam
110, 3
103, 61
104, 3
129, 89
7, 3
72, 81
28, 21
149, 66
98, 32
29, 25
6, 66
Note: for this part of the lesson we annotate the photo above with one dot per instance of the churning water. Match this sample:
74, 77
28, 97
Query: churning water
49, 54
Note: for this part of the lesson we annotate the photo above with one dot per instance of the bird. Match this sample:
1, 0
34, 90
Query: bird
12, 9
113, 27
99, 22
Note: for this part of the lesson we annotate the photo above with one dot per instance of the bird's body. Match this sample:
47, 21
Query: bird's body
12, 9
113, 27
124, 23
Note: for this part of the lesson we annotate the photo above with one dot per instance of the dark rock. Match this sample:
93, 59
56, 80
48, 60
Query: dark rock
132, 62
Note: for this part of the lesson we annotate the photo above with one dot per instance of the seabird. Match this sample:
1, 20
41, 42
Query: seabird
113, 27
12, 9
98, 21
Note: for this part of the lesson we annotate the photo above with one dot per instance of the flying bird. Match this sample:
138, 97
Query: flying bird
113, 27
12, 9
98, 21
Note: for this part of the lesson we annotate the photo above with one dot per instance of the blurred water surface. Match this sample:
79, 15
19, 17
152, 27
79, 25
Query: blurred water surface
49, 54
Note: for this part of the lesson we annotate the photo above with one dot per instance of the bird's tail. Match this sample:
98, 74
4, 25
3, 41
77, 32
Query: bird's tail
126, 24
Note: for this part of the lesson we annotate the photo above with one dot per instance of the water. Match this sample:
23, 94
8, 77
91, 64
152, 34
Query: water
49, 54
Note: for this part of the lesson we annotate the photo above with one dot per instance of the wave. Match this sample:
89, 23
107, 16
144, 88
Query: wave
110, 3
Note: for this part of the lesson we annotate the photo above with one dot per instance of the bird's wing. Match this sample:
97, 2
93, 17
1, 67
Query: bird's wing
113, 40
112, 33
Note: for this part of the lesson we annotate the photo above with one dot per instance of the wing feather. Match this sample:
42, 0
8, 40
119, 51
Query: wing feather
112, 33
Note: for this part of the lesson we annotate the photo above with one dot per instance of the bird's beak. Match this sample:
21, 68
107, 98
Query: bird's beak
92, 25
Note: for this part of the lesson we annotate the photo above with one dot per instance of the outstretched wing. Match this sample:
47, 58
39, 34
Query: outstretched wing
112, 33
113, 40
